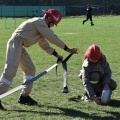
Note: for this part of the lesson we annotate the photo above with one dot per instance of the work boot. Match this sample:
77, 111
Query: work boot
1, 107
85, 97
92, 24
65, 90
27, 100
83, 22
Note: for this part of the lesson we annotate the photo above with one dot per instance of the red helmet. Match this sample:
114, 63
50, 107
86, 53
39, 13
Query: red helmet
54, 14
93, 52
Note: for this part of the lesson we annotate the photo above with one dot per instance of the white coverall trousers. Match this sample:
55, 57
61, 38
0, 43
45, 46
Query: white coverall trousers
16, 55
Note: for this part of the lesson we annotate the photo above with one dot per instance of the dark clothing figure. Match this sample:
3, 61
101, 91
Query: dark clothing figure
89, 15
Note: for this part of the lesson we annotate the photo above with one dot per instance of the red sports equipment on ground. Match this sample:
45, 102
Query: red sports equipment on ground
93, 53
54, 14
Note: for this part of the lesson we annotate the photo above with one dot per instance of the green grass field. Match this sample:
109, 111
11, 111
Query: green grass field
53, 104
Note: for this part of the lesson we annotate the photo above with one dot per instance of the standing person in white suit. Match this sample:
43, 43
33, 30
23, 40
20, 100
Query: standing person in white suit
35, 30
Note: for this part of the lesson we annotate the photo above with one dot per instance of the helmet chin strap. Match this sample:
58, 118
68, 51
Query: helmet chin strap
47, 19
49, 24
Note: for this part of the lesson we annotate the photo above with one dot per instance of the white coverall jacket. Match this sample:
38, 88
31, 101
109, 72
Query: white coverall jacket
30, 32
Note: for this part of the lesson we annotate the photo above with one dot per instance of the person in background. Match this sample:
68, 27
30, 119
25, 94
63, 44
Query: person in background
32, 31
96, 76
89, 15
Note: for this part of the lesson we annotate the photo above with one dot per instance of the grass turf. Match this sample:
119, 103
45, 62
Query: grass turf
53, 104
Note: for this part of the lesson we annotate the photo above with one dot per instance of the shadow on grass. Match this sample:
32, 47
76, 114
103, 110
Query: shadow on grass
115, 103
72, 113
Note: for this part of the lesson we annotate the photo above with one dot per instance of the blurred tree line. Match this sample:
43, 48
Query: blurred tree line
55, 2
73, 7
